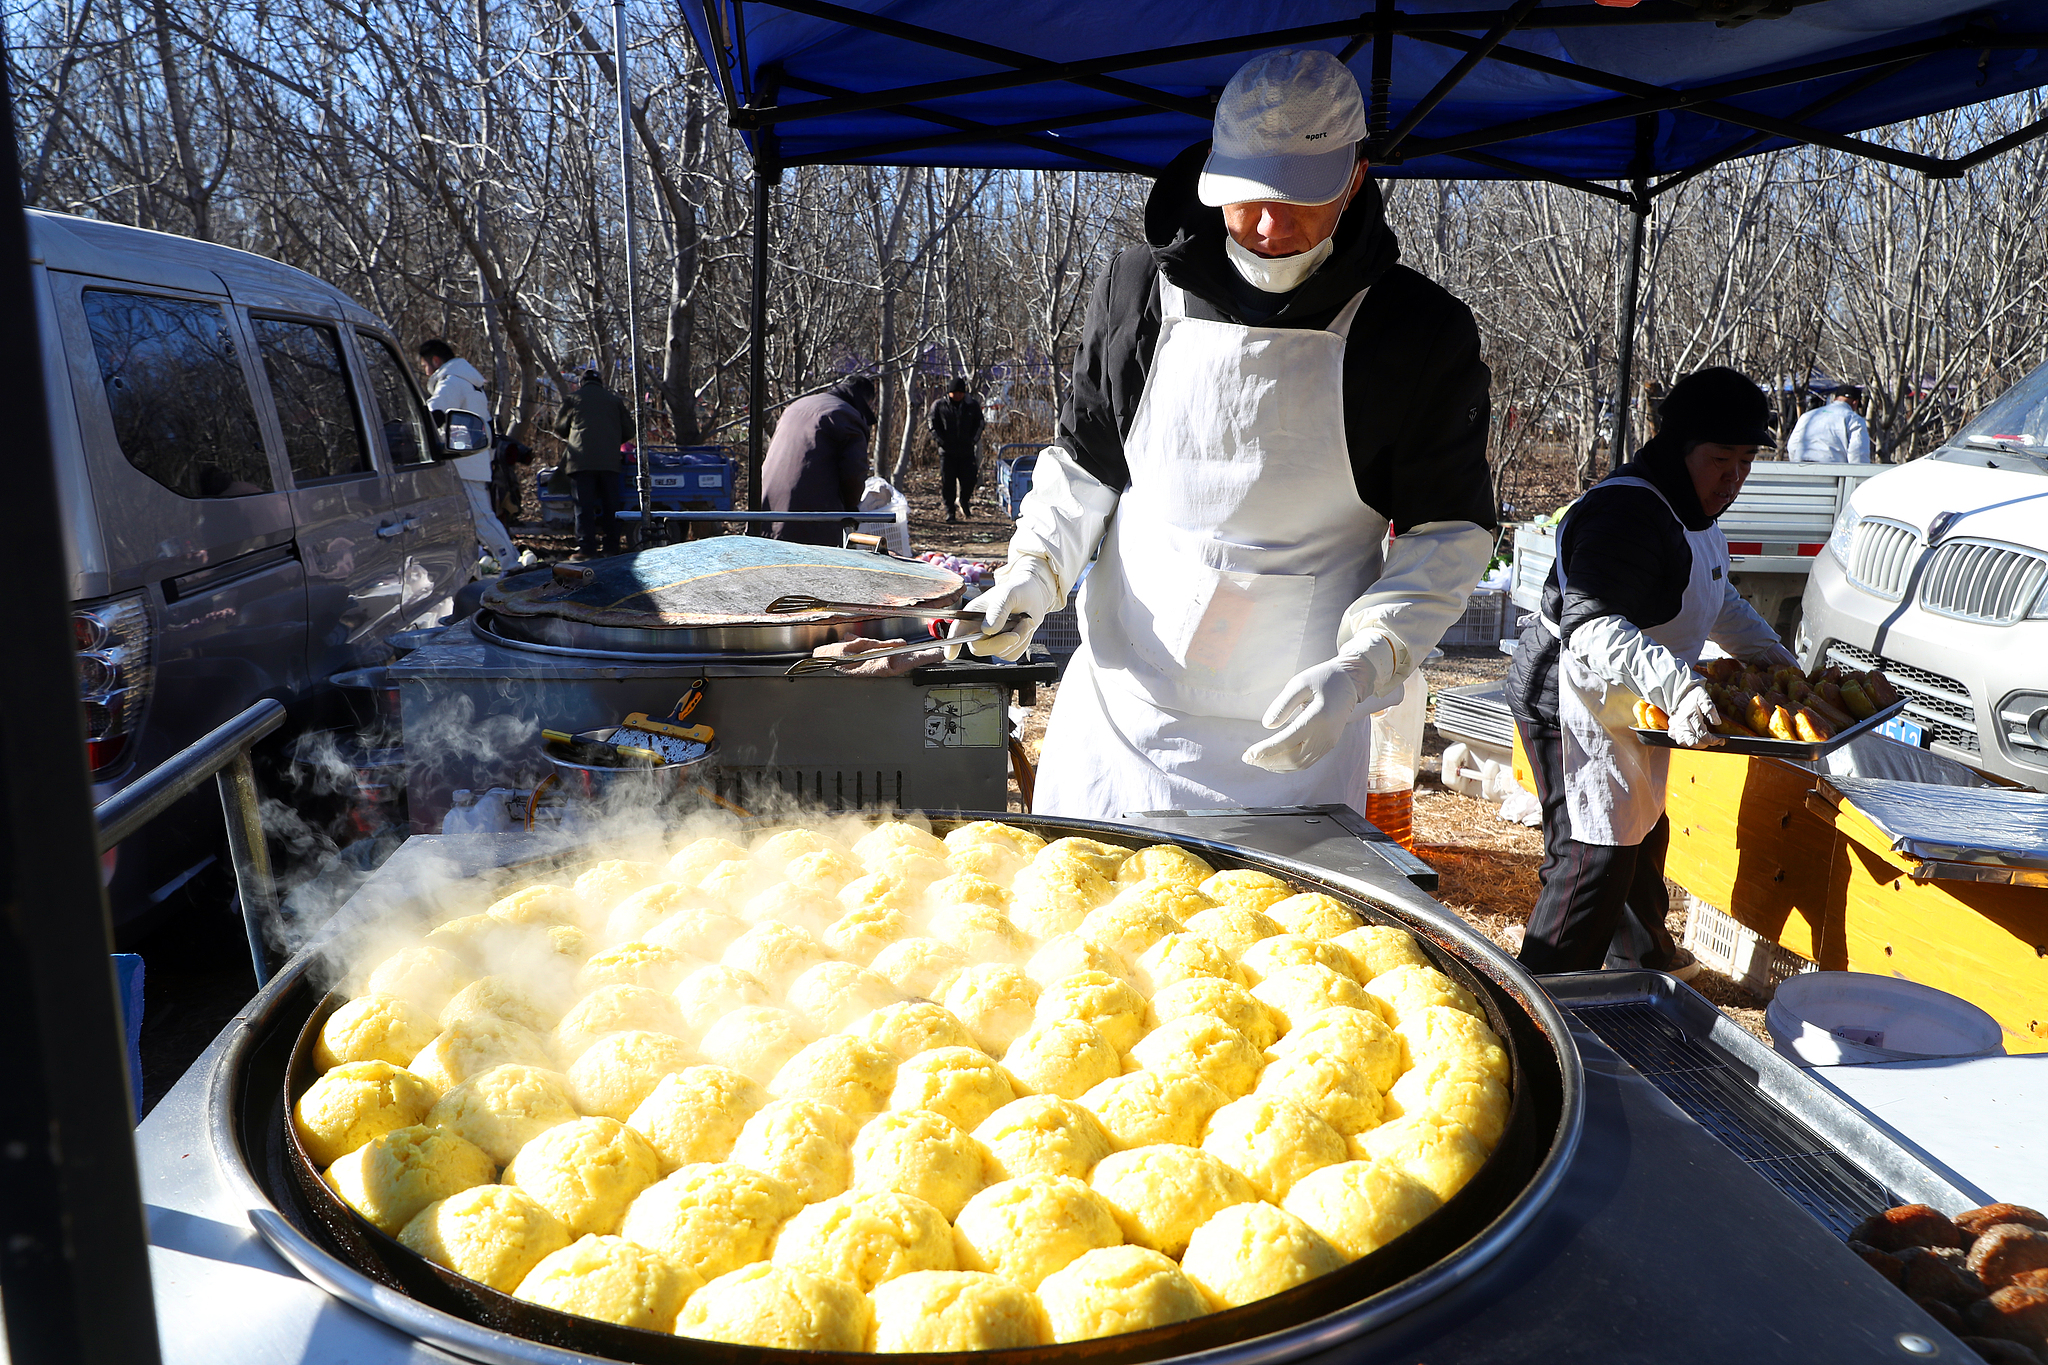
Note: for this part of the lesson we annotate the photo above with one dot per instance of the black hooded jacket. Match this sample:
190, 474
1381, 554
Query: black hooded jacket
1623, 555
1416, 405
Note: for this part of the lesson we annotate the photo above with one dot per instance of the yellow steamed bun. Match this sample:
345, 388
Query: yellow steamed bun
708, 994
1253, 1251
493, 1234
1166, 863
774, 1305
1439, 1031
1312, 914
1109, 1003
848, 1073
911, 1027
1333, 1087
1065, 1057
865, 1238
995, 1002
917, 1152
713, 1218
695, 1115
373, 1028
586, 1172
1360, 1206
1202, 1045
1272, 1141
1042, 1135
1379, 948
918, 965
1350, 1032
503, 1109
755, 1040
1232, 927
963, 1084
1053, 895
1027, 1229
800, 1141
1161, 1194
1178, 957
1403, 990
1298, 993
475, 1045
614, 1009
1252, 890
952, 1310
1065, 955
1233, 1004
832, 995
1149, 1107
1116, 1290
1433, 1150
1454, 1090
1275, 954
356, 1102
619, 1070
613, 1280
390, 1178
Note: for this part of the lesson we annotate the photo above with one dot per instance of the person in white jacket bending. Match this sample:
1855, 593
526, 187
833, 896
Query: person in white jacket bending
1261, 394
453, 385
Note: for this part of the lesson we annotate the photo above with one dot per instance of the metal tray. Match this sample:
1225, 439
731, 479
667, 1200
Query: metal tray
1820, 1151
1779, 748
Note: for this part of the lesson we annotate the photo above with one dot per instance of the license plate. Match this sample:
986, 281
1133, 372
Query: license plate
665, 481
1905, 731
710, 480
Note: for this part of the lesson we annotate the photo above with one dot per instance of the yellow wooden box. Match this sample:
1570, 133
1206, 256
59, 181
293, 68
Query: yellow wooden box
1753, 837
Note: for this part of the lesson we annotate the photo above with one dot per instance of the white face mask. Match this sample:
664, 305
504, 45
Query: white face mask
1277, 274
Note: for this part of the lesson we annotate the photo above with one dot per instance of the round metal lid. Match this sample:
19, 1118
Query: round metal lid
722, 582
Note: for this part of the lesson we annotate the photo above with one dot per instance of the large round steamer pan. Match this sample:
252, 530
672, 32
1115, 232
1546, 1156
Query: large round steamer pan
263, 1073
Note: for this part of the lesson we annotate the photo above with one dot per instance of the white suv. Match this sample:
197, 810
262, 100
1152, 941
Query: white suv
1937, 572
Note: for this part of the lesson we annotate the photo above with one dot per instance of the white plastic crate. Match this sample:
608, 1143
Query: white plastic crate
1481, 623
1733, 949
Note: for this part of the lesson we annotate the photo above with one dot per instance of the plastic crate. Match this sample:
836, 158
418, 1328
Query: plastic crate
1732, 948
702, 478
1060, 633
1015, 464
1481, 623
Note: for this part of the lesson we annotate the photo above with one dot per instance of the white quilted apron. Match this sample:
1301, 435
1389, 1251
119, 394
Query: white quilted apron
1225, 571
1613, 782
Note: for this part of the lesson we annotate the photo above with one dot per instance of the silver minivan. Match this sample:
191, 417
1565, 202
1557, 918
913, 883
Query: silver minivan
254, 497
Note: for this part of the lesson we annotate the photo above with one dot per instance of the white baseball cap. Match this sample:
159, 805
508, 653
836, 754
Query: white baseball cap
1285, 130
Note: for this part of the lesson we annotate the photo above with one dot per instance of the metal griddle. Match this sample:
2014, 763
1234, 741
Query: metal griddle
712, 596
1657, 1243
1458, 1232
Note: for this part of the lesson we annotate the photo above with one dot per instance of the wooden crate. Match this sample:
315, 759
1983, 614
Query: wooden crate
1751, 836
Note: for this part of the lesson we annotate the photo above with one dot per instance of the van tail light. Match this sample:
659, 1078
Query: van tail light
114, 676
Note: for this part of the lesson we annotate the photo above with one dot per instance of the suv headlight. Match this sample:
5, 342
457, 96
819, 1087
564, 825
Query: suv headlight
1843, 537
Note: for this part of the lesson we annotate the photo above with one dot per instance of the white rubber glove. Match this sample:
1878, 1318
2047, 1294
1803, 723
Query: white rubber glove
1774, 655
1311, 712
1692, 722
1024, 587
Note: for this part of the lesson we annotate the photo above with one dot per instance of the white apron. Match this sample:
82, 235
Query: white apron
1613, 782
1226, 570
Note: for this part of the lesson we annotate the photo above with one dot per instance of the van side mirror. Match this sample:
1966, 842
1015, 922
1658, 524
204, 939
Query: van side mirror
465, 434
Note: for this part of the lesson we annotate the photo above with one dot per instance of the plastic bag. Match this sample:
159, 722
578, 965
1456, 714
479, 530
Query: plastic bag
1397, 739
881, 495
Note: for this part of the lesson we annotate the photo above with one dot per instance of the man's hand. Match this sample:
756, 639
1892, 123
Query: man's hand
1692, 723
1311, 712
1023, 588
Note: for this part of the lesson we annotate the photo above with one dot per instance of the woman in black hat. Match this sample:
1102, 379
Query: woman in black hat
1639, 587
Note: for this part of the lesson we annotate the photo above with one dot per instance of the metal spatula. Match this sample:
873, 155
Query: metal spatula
814, 664
797, 601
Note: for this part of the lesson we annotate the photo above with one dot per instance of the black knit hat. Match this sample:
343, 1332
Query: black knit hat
1718, 405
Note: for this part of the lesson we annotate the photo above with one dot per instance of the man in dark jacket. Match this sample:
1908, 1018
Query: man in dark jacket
818, 459
1261, 393
956, 426
594, 424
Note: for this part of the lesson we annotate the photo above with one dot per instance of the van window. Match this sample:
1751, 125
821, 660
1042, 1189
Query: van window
309, 384
398, 408
180, 403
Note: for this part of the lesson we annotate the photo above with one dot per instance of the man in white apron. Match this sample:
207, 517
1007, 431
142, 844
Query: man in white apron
1640, 586
1260, 395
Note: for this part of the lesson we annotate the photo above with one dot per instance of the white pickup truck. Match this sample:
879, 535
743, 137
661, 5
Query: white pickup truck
1775, 529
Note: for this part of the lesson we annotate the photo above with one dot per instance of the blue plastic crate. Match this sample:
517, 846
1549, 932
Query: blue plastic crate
690, 477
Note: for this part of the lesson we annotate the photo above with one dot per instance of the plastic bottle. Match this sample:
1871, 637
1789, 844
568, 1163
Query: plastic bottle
1396, 750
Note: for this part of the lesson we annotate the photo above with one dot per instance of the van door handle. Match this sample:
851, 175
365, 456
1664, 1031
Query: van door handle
410, 524
395, 529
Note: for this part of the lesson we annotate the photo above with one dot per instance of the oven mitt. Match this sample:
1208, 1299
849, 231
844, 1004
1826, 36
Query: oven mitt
1311, 712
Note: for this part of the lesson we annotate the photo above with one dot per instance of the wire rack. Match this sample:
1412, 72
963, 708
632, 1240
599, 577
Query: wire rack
1761, 1133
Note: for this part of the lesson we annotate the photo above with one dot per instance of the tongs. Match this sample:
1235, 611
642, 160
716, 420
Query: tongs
797, 601
814, 664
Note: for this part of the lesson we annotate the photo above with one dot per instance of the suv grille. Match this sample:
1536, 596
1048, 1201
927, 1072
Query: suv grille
1882, 555
1976, 580
1935, 700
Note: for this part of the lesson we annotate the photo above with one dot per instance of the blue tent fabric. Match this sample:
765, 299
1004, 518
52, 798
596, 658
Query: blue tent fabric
128, 978
1865, 63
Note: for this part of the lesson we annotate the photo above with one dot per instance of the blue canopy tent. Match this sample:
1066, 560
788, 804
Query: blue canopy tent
1644, 94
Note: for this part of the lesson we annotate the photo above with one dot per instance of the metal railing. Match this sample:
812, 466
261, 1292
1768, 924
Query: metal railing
222, 754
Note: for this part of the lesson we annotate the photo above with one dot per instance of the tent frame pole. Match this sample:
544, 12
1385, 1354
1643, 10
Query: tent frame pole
643, 489
757, 339
1625, 340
